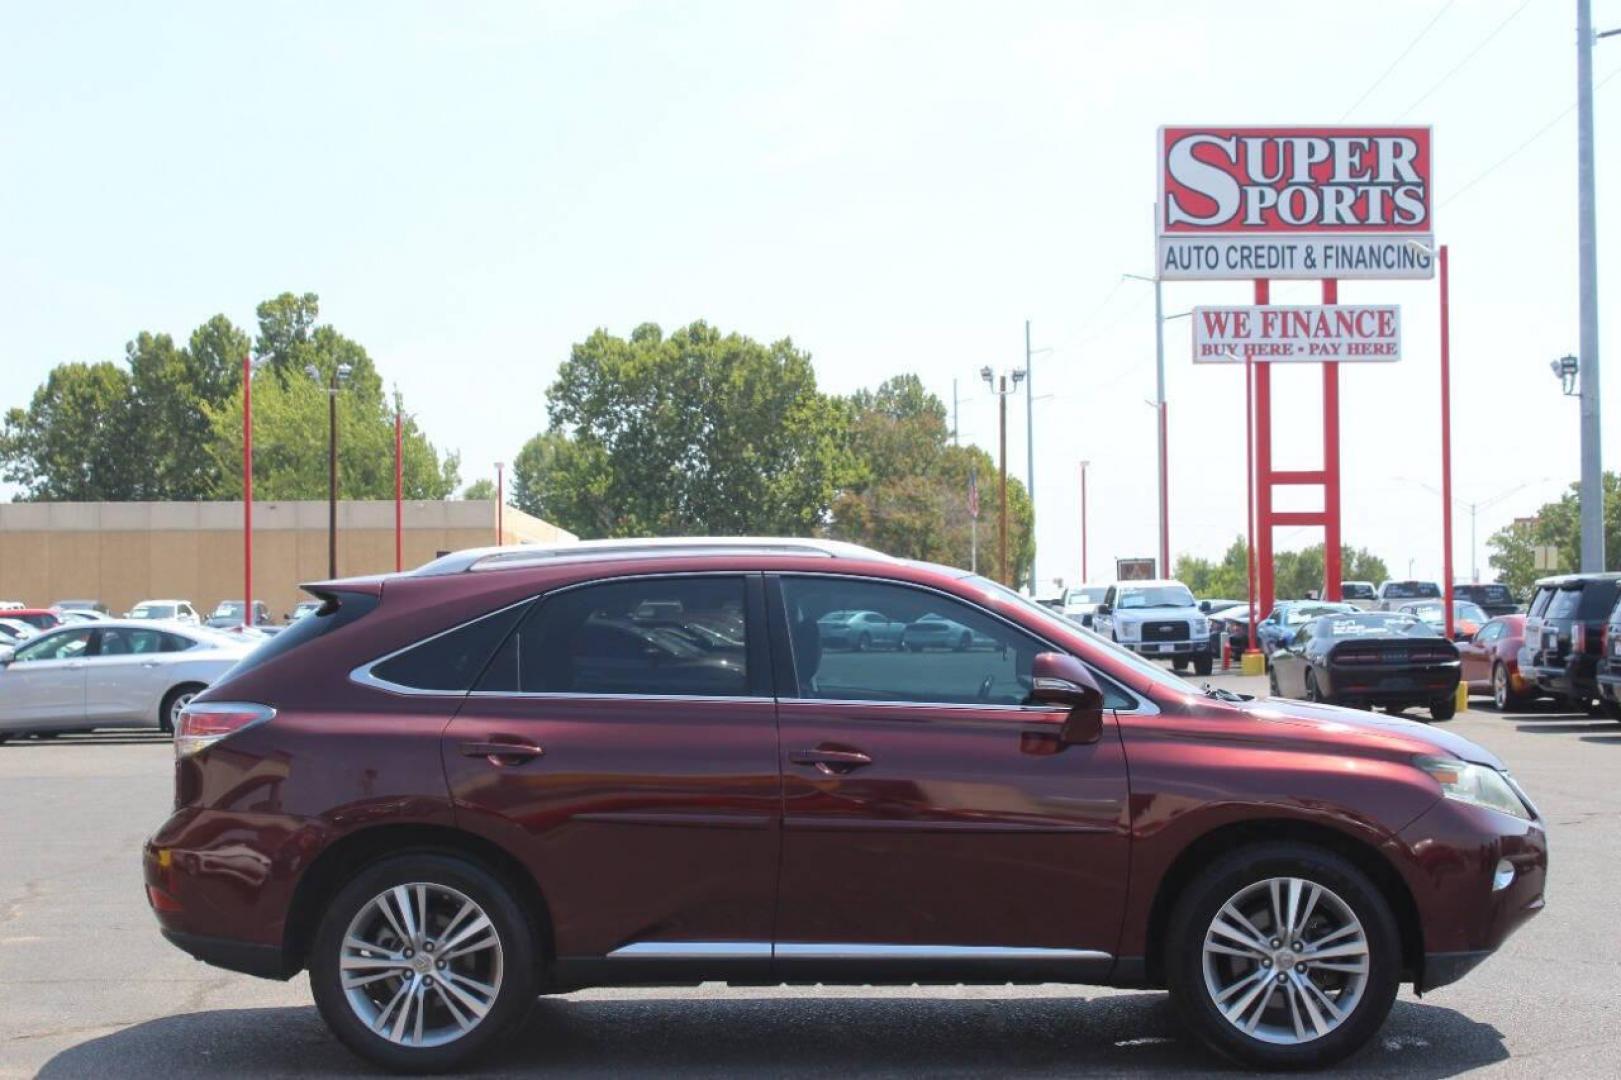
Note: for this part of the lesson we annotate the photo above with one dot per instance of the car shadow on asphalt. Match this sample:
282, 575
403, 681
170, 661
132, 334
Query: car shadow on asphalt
86, 738
783, 1036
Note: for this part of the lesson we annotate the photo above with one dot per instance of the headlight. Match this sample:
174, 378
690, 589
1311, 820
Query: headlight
1477, 784
1130, 631
1201, 627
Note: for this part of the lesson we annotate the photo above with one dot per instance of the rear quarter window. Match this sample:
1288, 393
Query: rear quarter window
451, 661
1598, 597
337, 610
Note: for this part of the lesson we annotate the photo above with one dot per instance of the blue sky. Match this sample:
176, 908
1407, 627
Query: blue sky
897, 186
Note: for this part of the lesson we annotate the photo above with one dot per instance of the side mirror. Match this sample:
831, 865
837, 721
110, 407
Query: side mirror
7, 655
1060, 679
1204, 606
1103, 609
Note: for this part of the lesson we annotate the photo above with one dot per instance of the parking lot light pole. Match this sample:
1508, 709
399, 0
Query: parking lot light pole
339, 373
999, 387
1084, 577
399, 485
500, 502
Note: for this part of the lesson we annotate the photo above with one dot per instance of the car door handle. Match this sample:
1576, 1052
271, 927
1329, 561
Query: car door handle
830, 762
502, 753
149, 663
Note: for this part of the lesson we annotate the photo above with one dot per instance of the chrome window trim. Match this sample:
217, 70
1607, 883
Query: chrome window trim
583, 696
931, 705
1145, 705
363, 674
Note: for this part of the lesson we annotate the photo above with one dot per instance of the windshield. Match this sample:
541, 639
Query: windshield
228, 608
1372, 623
1147, 669
1412, 590
1085, 596
1464, 609
152, 611
1156, 596
1356, 590
1296, 615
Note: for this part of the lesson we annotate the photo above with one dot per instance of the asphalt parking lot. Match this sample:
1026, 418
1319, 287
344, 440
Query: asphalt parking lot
90, 989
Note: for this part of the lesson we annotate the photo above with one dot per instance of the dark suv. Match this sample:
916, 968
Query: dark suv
1493, 598
1609, 666
526, 771
1564, 634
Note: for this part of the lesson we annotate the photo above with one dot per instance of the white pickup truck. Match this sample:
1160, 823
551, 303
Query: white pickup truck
1158, 619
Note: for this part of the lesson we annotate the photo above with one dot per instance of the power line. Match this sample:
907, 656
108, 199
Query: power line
1411, 45
1470, 56
1535, 135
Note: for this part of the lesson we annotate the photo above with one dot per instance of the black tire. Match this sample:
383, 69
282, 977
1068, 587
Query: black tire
1179, 664
1272, 683
1503, 695
1444, 709
1224, 879
1204, 664
185, 691
516, 992
965, 641
864, 642
1312, 693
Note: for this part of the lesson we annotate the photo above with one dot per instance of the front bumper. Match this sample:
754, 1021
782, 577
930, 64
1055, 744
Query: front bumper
1160, 649
1448, 858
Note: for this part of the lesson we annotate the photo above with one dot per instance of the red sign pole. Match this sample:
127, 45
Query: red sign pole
1249, 474
1446, 446
247, 489
1332, 570
1263, 470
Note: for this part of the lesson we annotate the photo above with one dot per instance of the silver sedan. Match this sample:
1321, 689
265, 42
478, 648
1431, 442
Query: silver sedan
118, 673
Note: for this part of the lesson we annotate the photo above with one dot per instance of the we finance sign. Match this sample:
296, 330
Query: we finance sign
1295, 202
1278, 332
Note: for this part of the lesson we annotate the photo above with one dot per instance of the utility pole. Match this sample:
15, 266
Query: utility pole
999, 387
1592, 492
340, 374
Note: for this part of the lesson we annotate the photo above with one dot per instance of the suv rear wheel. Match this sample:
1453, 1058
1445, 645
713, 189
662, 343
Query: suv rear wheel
421, 961
1283, 956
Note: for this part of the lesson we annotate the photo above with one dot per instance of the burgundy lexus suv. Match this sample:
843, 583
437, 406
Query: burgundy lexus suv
523, 771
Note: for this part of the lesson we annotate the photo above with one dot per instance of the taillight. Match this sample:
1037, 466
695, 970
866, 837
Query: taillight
1578, 637
205, 723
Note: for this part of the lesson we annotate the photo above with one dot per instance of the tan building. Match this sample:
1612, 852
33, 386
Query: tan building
122, 553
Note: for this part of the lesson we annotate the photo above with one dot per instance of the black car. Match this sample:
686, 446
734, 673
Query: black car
1564, 634
1369, 658
1609, 666
1494, 598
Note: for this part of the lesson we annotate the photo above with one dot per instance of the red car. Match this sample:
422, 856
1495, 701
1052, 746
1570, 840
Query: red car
41, 619
522, 771
1491, 662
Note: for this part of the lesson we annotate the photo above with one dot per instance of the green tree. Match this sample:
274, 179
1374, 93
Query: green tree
290, 431
698, 432
171, 387
480, 490
77, 440
908, 489
1557, 525
1295, 573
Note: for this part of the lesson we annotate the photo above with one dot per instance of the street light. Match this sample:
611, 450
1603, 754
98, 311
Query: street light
339, 374
1566, 369
1159, 408
1084, 466
500, 501
999, 387
1439, 255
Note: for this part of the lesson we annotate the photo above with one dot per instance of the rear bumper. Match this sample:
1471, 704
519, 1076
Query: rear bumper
1393, 685
264, 961
1576, 677
1609, 685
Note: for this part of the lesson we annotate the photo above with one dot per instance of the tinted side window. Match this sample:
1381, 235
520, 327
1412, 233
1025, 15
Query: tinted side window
127, 641
948, 652
1598, 597
681, 636
1564, 603
62, 646
451, 661
1539, 602
336, 611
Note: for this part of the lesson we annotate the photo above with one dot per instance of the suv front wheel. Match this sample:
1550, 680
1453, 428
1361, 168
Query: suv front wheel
421, 961
1283, 955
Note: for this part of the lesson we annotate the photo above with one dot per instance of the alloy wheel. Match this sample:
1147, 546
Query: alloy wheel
178, 706
1286, 961
421, 964
1500, 688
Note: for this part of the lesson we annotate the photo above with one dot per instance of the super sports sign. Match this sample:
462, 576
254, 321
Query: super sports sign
1299, 202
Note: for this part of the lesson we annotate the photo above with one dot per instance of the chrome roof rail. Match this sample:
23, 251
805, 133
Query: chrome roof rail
528, 555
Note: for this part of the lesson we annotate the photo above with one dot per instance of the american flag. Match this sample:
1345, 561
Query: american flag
973, 493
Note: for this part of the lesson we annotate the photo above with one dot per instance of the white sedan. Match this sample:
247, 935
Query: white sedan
119, 673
